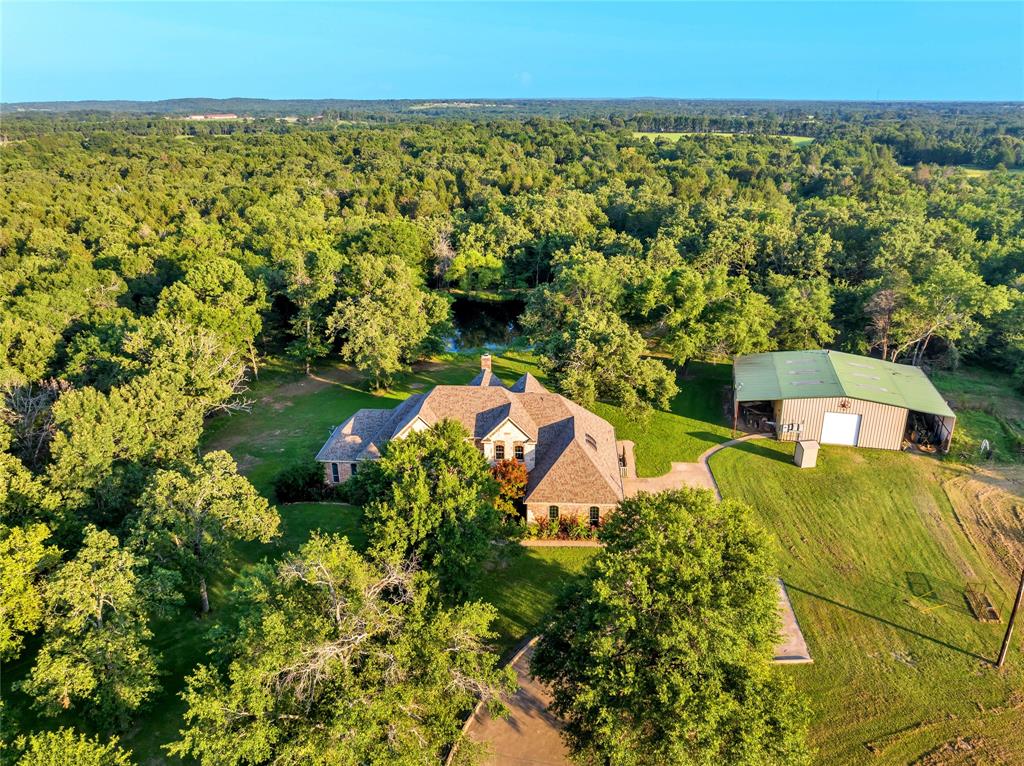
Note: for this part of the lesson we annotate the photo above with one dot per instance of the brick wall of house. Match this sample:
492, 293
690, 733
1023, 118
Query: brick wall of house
344, 473
537, 511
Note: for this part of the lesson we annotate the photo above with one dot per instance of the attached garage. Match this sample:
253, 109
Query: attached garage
836, 398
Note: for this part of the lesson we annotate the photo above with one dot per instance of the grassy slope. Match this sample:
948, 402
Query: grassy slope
876, 563
695, 423
523, 587
987, 407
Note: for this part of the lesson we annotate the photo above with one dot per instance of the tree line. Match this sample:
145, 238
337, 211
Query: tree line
146, 276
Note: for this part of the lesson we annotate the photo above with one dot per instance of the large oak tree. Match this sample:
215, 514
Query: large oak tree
661, 654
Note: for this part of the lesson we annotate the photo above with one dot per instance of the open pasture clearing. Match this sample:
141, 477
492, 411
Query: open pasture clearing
669, 136
876, 549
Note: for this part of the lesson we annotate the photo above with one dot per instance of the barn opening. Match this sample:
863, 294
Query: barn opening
837, 398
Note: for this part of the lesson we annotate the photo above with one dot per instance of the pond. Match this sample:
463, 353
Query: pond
484, 324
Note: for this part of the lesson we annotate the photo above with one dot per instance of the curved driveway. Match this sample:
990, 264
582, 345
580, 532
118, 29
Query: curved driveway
530, 735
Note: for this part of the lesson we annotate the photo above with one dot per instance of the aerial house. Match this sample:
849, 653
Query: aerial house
836, 398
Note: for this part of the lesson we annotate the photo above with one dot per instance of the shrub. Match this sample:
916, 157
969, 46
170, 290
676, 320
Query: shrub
579, 529
511, 477
302, 482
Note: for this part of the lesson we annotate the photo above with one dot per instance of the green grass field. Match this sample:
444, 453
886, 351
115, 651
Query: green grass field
695, 422
523, 585
987, 408
668, 136
292, 414
973, 171
868, 541
876, 558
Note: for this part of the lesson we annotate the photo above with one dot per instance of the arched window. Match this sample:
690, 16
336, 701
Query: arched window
499, 451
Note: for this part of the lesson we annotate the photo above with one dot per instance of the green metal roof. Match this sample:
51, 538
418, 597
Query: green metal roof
817, 374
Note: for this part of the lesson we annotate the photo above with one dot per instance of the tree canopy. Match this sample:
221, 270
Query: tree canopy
661, 653
432, 497
95, 654
341, 662
189, 516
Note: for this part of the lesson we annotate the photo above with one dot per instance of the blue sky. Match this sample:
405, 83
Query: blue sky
828, 50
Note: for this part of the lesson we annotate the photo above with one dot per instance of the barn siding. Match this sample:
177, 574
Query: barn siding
882, 426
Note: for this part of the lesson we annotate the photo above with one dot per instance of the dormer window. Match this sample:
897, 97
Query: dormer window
499, 451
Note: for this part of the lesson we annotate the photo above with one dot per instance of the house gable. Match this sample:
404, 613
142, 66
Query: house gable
507, 430
569, 452
415, 425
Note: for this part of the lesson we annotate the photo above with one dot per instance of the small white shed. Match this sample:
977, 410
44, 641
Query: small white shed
806, 454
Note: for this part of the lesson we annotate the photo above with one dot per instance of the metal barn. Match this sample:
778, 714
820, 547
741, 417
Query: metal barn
836, 398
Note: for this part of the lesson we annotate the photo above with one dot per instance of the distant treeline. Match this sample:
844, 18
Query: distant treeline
982, 134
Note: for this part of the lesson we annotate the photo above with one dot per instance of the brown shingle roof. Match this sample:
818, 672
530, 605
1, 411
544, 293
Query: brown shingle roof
569, 468
365, 433
528, 385
486, 378
576, 459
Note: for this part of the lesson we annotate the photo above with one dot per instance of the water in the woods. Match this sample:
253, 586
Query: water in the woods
484, 324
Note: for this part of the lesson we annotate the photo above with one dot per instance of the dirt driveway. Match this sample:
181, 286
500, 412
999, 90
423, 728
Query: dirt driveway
530, 734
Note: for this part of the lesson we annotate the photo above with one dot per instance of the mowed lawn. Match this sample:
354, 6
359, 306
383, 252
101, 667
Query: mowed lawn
292, 414
695, 422
290, 418
876, 559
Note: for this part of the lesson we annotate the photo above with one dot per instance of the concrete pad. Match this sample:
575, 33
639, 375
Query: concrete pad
681, 475
793, 648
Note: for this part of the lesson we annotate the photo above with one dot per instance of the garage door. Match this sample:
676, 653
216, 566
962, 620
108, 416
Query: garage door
840, 428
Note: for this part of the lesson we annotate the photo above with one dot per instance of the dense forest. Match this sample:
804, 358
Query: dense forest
321, 240
150, 266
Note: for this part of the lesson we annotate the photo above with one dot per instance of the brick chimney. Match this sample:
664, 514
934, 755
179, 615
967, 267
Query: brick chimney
485, 362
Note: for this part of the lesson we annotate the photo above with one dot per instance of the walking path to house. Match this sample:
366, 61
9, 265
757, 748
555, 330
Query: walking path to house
530, 735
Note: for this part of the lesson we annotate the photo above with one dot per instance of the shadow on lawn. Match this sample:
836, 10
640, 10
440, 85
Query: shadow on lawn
884, 621
751, 447
522, 584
